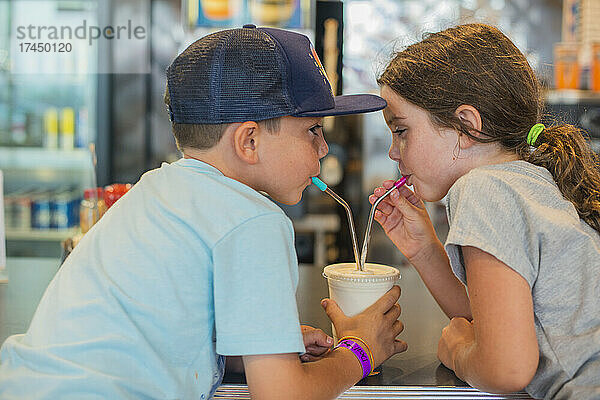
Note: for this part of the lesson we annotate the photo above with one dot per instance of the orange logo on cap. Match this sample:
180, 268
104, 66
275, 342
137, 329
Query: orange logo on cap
321, 69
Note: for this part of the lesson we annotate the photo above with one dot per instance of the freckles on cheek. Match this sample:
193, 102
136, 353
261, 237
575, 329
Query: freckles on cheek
316, 146
290, 164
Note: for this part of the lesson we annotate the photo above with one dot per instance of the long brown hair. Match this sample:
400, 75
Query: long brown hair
478, 65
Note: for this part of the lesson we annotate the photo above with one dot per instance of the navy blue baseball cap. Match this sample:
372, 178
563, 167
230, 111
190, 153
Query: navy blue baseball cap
253, 74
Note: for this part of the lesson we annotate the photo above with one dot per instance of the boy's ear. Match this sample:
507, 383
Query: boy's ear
470, 117
245, 141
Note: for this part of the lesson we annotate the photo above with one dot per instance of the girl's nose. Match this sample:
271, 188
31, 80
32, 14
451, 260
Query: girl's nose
393, 152
397, 148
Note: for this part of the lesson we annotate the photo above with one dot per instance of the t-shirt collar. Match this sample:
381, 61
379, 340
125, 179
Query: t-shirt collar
198, 165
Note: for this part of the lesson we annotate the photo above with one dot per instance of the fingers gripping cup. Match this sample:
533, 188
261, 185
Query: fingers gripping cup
355, 290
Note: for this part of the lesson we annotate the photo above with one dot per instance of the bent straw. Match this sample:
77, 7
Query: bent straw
323, 187
363, 255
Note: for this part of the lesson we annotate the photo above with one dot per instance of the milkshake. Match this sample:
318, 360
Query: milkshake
355, 290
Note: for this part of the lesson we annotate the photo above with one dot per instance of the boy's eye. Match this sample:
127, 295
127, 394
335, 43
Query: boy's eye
316, 129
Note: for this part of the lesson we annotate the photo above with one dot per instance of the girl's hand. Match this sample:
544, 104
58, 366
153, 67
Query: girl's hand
405, 220
316, 342
457, 337
378, 325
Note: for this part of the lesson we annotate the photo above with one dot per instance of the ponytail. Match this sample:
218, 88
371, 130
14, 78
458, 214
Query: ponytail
565, 152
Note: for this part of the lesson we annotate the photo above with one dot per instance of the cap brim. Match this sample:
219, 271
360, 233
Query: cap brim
349, 104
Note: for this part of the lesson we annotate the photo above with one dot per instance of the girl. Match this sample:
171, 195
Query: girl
523, 204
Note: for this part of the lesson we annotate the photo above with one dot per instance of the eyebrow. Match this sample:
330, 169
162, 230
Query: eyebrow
394, 118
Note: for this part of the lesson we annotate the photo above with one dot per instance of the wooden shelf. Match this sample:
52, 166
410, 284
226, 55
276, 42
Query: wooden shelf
50, 235
571, 97
16, 158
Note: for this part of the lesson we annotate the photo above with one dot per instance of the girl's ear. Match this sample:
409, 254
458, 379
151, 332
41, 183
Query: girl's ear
470, 117
246, 138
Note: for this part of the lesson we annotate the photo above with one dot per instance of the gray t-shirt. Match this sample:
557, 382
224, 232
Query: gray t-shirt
515, 212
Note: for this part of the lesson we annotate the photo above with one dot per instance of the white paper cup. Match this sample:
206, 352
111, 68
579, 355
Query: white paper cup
354, 290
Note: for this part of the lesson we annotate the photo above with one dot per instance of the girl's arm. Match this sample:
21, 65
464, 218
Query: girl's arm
405, 221
433, 266
498, 350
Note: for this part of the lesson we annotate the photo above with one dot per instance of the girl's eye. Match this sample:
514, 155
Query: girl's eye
398, 131
316, 129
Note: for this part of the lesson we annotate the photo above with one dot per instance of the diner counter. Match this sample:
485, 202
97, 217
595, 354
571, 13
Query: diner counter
414, 374
240, 392
24, 282
401, 377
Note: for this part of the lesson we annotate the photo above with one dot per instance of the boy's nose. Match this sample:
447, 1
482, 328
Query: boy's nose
323, 149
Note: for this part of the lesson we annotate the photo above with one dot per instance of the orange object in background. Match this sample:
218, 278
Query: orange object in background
595, 68
217, 9
91, 209
566, 66
272, 12
113, 192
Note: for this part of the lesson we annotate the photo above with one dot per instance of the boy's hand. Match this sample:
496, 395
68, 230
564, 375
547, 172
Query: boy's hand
378, 325
403, 217
317, 343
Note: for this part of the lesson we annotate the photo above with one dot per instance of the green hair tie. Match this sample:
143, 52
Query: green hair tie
533, 134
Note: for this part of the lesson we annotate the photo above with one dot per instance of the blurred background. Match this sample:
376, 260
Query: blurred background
82, 116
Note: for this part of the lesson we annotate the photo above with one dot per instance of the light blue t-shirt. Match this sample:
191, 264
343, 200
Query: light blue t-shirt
189, 266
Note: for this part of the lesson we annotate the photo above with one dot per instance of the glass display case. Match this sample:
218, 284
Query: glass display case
48, 108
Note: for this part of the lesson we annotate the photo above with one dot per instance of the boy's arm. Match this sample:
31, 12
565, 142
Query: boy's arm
316, 342
275, 376
498, 351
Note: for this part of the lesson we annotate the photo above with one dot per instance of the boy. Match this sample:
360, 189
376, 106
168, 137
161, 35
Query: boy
193, 264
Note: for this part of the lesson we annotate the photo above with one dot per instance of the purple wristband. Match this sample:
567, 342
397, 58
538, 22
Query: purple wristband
360, 353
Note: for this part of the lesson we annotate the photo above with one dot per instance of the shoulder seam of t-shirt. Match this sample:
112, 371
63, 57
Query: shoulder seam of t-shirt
500, 180
464, 239
523, 167
254, 218
217, 174
530, 171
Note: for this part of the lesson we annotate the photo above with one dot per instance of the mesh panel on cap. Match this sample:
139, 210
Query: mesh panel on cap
229, 76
